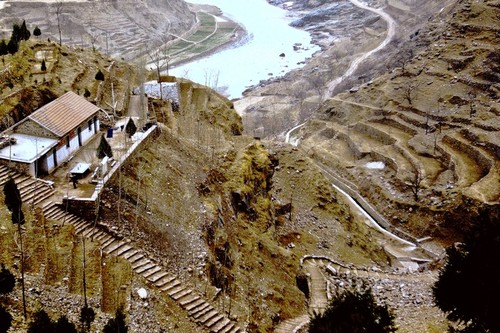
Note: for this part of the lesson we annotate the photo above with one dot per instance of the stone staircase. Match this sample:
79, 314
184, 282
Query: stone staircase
33, 191
198, 309
292, 325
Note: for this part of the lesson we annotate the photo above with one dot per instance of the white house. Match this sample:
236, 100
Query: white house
50, 135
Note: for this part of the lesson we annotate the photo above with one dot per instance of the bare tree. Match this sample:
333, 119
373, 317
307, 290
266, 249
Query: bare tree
160, 58
403, 59
410, 91
414, 183
472, 98
58, 9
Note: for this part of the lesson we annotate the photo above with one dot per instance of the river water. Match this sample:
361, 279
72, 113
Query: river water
257, 57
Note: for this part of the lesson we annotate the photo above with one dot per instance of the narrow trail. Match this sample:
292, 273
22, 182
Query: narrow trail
391, 28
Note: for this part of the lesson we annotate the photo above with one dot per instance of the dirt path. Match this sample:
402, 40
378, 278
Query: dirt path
391, 28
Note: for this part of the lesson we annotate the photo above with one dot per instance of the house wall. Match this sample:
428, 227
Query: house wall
63, 151
32, 128
88, 132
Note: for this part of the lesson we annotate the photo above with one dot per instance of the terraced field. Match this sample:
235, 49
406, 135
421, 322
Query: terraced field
433, 124
121, 31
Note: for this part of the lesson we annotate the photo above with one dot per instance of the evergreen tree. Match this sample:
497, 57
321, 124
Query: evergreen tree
99, 76
12, 46
37, 32
5, 319
353, 311
87, 316
3, 48
25, 34
104, 149
7, 281
468, 287
117, 324
130, 128
41, 323
64, 326
13, 201
86, 94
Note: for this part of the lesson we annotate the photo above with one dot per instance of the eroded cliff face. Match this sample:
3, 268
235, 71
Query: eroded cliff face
118, 28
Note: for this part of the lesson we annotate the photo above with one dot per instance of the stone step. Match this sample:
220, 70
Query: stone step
151, 271
127, 255
99, 236
143, 265
90, 232
156, 276
108, 242
72, 219
226, 329
188, 300
114, 246
218, 326
86, 227
203, 312
175, 290
207, 316
136, 257
124, 250
164, 281
58, 215
193, 305
79, 223
235, 329
179, 295
210, 323
139, 263
171, 285
204, 306
104, 239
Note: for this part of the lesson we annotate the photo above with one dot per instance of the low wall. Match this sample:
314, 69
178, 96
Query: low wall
88, 208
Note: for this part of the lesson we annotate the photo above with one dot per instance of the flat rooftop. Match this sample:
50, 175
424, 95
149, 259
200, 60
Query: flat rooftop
27, 148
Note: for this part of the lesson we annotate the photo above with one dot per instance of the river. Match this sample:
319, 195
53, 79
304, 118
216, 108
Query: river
258, 56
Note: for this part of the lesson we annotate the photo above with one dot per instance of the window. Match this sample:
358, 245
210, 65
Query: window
67, 141
90, 125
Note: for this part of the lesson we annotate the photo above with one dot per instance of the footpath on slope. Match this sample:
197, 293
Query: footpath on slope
40, 193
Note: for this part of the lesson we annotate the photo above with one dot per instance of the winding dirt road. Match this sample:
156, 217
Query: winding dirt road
391, 28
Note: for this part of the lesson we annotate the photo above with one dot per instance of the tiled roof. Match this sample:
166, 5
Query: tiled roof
64, 114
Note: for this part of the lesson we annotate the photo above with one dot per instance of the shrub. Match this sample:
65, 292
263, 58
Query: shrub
356, 311
117, 324
5, 319
7, 281
468, 286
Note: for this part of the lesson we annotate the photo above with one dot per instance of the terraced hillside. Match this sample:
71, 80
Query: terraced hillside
119, 29
422, 142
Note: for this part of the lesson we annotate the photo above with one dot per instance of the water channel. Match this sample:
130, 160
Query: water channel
256, 57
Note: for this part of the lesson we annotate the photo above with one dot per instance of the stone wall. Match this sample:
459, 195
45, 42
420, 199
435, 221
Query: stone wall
88, 207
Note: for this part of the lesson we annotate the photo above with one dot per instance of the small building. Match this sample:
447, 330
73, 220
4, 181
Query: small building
51, 135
